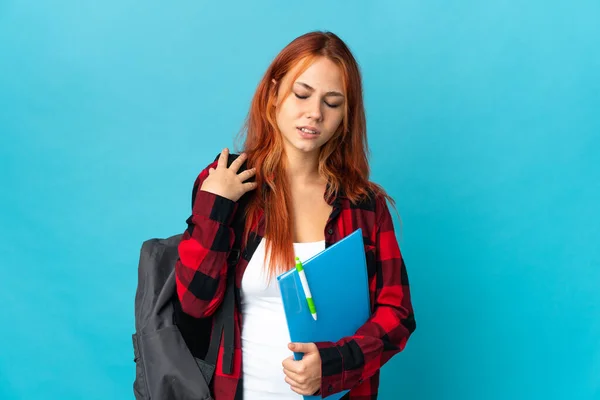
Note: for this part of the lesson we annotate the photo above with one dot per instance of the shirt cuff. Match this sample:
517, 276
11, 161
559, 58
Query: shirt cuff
332, 368
215, 207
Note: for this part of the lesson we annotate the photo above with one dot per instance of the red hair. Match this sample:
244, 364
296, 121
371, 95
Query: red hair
343, 160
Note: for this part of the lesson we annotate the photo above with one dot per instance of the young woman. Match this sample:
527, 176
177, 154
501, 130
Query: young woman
308, 187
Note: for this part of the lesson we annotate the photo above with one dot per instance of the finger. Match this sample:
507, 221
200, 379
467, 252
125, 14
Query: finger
211, 170
296, 368
298, 390
247, 174
248, 186
237, 163
293, 385
289, 364
222, 163
297, 378
303, 347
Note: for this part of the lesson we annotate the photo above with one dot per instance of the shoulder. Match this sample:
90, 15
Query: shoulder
374, 200
371, 211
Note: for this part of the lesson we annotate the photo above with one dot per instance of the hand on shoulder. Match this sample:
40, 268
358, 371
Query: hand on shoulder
227, 182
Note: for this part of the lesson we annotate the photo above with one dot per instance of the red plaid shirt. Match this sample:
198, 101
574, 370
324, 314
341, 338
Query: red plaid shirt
350, 363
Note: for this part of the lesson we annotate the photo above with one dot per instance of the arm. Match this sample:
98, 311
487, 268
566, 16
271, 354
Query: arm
351, 360
201, 269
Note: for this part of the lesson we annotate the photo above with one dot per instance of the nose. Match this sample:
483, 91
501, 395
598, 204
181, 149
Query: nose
314, 110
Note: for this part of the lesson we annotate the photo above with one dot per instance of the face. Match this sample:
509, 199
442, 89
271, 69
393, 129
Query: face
310, 115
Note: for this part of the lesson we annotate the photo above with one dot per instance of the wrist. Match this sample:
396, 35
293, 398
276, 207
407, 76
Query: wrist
214, 207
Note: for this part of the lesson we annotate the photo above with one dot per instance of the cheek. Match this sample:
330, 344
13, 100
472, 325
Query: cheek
281, 116
286, 112
335, 120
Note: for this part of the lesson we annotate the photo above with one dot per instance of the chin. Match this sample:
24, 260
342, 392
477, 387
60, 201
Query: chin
303, 148
307, 149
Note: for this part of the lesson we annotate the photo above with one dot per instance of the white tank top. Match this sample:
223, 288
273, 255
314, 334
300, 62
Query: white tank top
265, 335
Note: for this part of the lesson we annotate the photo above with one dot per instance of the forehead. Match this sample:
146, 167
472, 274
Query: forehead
323, 74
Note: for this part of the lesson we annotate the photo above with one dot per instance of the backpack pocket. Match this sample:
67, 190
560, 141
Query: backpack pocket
140, 389
166, 369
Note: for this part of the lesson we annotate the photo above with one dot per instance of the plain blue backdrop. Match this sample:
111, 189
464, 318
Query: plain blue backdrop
484, 125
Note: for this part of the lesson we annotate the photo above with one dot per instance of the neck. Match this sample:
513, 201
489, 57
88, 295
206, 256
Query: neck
302, 167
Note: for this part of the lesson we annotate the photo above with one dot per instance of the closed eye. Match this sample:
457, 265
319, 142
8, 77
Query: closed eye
306, 97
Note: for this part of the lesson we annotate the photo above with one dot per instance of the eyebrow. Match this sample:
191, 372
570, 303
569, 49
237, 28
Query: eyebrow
331, 93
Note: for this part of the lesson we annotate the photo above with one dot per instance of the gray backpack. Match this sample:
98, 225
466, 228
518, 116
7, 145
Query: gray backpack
175, 354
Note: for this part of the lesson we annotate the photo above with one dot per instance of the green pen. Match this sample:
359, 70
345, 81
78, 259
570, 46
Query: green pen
309, 300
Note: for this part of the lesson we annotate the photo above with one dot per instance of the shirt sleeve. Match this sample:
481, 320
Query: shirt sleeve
354, 359
201, 268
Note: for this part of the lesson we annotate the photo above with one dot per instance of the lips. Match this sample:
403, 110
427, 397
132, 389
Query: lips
311, 130
307, 136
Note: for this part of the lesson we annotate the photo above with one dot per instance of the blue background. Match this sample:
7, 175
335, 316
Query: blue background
484, 126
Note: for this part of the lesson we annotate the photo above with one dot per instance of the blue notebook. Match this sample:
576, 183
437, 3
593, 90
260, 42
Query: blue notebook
338, 281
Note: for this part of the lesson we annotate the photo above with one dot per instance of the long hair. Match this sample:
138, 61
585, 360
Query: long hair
343, 160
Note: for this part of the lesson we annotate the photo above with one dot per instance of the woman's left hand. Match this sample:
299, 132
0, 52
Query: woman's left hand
303, 376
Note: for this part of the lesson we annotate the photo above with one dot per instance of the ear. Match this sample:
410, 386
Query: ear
276, 92
275, 86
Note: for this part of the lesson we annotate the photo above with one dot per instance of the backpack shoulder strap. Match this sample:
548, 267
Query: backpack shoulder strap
223, 326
